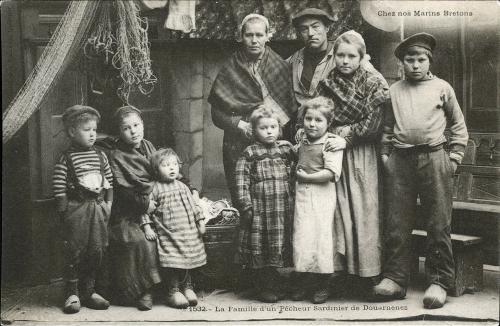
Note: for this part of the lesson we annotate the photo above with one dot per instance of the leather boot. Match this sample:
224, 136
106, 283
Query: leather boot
266, 291
299, 291
145, 302
321, 288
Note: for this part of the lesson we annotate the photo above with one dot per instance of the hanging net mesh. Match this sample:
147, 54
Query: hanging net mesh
65, 43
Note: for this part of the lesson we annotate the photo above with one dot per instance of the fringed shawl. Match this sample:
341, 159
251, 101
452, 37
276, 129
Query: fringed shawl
235, 90
131, 166
359, 100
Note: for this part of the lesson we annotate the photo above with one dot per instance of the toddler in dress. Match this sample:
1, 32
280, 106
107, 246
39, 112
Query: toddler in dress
177, 225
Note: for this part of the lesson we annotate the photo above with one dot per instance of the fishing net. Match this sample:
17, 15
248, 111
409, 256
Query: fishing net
64, 45
120, 39
112, 30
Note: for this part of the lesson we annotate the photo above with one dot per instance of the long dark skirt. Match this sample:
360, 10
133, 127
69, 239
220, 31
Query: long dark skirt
133, 263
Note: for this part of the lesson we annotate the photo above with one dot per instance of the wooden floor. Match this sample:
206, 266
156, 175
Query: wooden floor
40, 305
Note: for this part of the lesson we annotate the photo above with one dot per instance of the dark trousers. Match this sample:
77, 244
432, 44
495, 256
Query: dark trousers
83, 231
428, 175
81, 273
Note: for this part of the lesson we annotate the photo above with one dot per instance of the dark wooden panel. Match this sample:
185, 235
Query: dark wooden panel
154, 127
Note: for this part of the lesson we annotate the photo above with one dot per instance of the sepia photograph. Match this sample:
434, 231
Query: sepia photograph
250, 162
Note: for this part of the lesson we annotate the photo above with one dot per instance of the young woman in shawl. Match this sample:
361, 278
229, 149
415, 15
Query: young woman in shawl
134, 268
254, 75
360, 94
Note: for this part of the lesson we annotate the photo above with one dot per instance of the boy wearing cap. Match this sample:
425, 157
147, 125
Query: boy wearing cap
416, 164
83, 193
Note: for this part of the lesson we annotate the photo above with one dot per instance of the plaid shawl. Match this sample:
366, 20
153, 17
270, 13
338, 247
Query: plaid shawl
131, 166
359, 101
235, 90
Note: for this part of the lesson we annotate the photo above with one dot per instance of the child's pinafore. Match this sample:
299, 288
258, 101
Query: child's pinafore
179, 243
314, 239
263, 185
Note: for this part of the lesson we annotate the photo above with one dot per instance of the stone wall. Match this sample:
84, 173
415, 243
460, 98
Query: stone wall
190, 70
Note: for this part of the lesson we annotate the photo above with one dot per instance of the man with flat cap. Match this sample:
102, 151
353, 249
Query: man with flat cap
312, 63
416, 164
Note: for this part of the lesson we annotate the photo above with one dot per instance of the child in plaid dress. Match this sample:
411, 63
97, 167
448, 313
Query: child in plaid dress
179, 226
265, 202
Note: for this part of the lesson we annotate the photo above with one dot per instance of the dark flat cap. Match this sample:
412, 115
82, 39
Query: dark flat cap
314, 12
75, 110
423, 40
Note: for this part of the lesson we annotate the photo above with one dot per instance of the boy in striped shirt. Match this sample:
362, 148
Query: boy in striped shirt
82, 186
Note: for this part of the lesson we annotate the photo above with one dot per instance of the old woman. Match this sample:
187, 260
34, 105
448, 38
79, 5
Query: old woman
252, 76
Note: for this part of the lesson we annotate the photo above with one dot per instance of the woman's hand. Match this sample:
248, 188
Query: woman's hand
299, 135
335, 143
302, 175
149, 233
342, 131
245, 128
152, 206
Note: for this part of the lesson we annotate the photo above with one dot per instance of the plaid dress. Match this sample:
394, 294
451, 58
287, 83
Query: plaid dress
263, 184
179, 243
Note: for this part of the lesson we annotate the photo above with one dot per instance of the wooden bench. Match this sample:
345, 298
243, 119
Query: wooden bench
467, 253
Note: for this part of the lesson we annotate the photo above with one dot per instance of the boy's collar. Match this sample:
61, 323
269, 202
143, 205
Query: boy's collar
78, 148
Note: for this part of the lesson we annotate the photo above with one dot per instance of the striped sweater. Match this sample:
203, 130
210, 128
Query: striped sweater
85, 162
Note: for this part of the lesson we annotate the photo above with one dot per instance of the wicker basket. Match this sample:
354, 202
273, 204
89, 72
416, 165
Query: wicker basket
220, 245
